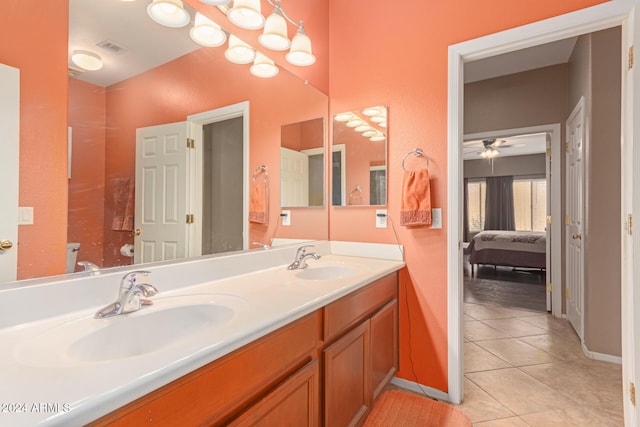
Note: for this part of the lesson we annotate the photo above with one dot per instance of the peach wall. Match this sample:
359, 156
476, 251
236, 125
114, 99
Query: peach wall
406, 69
198, 82
39, 50
87, 116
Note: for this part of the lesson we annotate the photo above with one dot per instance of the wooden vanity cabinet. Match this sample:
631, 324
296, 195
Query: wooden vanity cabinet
361, 361
323, 369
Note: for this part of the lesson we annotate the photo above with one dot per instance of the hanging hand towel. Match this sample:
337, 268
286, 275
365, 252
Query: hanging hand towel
416, 198
259, 202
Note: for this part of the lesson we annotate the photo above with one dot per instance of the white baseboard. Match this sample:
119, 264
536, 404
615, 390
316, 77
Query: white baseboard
601, 356
420, 389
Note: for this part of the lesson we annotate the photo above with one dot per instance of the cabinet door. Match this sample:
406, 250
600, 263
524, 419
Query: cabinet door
384, 346
347, 378
294, 403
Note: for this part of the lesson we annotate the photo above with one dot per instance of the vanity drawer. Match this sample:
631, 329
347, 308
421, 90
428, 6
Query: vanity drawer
340, 315
214, 393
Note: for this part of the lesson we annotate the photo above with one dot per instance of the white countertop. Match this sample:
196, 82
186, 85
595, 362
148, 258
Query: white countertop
41, 386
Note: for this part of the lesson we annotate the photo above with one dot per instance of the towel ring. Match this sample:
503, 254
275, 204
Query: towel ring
417, 152
356, 192
259, 170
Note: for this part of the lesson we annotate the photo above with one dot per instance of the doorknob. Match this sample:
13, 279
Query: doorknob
5, 245
137, 232
575, 236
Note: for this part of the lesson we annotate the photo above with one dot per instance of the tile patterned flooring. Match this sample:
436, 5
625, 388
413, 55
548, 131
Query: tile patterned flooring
526, 368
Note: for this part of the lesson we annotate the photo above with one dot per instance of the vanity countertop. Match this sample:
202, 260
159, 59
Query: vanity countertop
42, 386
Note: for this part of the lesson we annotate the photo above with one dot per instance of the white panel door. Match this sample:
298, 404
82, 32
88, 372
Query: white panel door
162, 159
575, 134
294, 178
9, 172
548, 227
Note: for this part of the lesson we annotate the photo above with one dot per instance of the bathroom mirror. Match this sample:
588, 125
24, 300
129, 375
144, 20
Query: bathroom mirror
199, 80
359, 157
302, 164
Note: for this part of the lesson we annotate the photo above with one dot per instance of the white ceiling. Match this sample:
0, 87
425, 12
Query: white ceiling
125, 23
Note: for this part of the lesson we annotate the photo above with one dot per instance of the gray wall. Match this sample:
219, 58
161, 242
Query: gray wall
532, 165
602, 195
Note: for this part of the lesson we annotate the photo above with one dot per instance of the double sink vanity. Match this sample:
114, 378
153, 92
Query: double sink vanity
235, 339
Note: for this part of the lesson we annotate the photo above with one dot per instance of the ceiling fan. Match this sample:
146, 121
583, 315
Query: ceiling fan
489, 148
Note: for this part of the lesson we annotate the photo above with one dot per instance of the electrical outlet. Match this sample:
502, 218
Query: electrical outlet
381, 218
286, 218
436, 218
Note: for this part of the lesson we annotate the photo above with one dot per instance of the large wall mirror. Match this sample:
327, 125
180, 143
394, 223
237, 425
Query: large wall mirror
106, 108
302, 164
359, 157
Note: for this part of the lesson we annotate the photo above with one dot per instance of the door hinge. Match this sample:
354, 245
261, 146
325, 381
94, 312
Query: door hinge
548, 152
191, 218
630, 224
566, 147
630, 63
566, 292
567, 219
632, 393
549, 287
191, 143
549, 219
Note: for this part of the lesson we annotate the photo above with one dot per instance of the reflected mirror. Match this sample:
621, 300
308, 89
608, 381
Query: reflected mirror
302, 164
359, 157
105, 114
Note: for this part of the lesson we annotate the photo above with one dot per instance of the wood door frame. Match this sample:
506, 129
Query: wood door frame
588, 20
554, 188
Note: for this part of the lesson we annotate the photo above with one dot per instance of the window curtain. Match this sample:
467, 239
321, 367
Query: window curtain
499, 211
465, 216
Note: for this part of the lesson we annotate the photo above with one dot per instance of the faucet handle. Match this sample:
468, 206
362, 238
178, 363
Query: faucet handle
303, 249
129, 279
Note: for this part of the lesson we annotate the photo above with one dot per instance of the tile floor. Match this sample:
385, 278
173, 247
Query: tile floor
526, 368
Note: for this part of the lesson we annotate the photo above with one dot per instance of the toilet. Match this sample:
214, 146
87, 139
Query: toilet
72, 256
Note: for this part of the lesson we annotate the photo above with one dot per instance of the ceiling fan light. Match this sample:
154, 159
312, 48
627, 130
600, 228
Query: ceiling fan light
170, 13
274, 36
239, 52
246, 14
263, 67
206, 32
300, 52
86, 60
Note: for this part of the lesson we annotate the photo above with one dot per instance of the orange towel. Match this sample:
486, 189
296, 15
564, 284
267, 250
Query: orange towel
259, 202
416, 198
124, 204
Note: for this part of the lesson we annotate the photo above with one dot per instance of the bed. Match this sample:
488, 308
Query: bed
525, 249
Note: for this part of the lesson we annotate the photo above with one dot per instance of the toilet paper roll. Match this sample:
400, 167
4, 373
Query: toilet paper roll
127, 250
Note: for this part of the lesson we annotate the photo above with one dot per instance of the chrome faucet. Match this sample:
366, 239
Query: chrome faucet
301, 258
88, 266
262, 245
130, 296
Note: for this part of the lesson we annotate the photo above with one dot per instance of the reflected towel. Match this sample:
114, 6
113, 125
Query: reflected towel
123, 204
416, 198
259, 202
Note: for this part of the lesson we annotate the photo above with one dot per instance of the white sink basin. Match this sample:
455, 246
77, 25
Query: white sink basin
327, 272
167, 324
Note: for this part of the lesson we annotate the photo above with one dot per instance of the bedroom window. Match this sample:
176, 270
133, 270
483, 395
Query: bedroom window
530, 204
476, 193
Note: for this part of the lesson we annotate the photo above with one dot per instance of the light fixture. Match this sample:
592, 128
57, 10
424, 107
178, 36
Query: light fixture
363, 128
489, 153
300, 52
216, 2
354, 123
274, 36
378, 119
369, 133
206, 32
246, 14
86, 60
263, 67
239, 52
343, 117
377, 137
373, 111
170, 13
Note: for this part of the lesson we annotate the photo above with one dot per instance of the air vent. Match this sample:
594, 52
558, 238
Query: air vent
112, 47
73, 72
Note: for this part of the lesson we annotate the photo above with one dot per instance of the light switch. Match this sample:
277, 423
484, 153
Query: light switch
436, 218
25, 215
286, 217
381, 218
